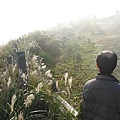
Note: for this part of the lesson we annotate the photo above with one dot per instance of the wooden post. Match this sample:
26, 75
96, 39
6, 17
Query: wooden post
23, 76
9, 61
21, 62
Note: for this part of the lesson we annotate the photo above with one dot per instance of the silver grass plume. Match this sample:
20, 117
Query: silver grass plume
29, 100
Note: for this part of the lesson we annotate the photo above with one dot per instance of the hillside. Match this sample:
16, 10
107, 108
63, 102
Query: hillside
68, 48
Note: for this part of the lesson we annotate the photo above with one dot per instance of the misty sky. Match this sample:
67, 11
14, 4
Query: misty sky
19, 17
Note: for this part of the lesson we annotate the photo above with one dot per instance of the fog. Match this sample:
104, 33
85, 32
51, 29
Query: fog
20, 17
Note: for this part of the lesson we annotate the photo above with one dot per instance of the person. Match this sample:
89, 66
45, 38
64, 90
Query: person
101, 96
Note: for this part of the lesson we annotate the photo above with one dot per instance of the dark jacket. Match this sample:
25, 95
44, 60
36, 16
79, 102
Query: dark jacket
101, 98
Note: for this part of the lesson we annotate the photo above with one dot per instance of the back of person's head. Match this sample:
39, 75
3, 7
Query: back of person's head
106, 61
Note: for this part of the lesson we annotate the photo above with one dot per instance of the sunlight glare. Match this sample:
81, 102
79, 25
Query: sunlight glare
19, 17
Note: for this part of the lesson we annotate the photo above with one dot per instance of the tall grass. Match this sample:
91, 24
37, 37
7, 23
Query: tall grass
31, 104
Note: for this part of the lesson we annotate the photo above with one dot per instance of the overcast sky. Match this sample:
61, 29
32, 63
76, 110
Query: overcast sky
19, 17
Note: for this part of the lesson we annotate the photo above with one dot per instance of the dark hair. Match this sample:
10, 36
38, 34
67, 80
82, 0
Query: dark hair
106, 61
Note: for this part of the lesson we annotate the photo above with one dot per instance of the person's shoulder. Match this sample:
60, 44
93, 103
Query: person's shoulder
90, 81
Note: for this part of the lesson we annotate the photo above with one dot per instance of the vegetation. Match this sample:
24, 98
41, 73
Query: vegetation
64, 55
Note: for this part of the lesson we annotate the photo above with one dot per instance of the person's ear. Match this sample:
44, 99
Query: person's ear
97, 66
